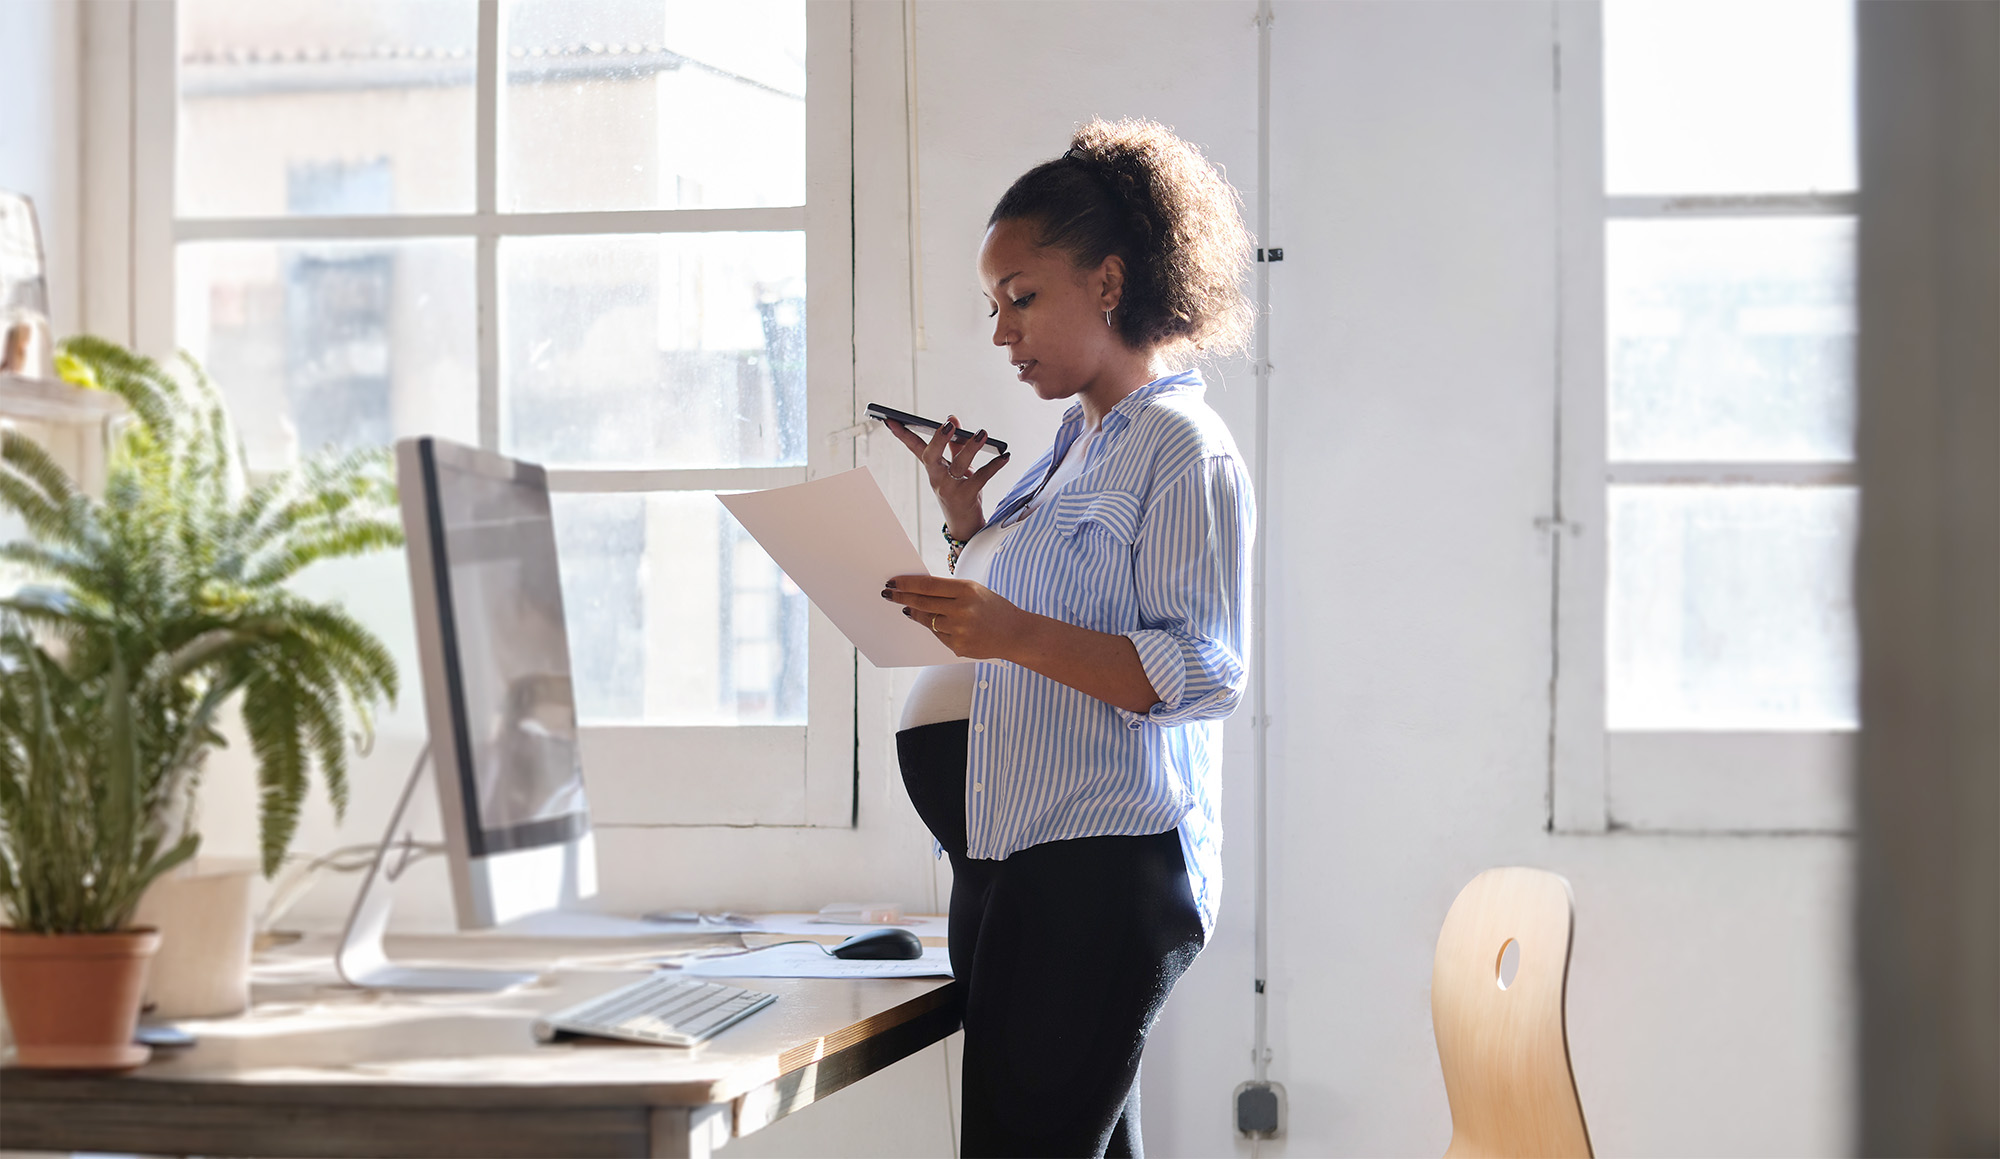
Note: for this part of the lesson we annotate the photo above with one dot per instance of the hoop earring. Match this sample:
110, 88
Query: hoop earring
1107, 317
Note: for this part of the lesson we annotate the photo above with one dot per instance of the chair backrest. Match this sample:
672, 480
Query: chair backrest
1504, 1048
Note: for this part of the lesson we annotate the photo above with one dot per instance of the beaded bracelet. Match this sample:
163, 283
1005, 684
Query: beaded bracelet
957, 545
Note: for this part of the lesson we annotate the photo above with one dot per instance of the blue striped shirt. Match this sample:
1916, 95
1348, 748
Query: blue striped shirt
1152, 541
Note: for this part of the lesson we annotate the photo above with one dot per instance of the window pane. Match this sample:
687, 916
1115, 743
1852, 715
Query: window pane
676, 616
1731, 608
1722, 96
652, 104
346, 344
1731, 339
305, 107
674, 350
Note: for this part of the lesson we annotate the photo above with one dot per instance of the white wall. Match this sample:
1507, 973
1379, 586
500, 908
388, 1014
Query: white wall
1413, 330
1413, 333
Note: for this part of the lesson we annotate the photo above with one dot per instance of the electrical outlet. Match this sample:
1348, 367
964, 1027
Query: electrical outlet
1260, 1110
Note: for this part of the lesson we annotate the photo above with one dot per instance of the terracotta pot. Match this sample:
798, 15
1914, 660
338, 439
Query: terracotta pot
73, 999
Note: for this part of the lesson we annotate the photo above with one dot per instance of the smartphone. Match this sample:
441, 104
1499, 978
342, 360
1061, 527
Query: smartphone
877, 411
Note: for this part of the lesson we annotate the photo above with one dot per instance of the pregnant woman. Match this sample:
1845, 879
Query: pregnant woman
1073, 773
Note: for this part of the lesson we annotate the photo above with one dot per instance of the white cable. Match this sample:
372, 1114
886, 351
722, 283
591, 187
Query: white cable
299, 876
916, 209
1260, 704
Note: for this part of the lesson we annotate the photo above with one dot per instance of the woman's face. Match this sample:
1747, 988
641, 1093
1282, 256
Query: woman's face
1049, 314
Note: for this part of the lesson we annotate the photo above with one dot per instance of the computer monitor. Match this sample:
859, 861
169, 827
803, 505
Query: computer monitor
494, 652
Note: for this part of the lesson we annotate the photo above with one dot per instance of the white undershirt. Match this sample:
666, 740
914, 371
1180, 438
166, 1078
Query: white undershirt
944, 691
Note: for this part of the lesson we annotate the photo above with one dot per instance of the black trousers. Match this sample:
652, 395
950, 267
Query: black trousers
1065, 953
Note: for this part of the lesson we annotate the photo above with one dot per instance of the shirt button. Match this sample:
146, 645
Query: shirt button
1133, 725
978, 785
982, 684
982, 728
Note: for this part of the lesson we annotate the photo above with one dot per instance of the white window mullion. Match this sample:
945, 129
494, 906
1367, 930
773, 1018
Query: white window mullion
1672, 782
108, 182
486, 251
486, 110
752, 219
832, 757
1747, 205
155, 78
771, 219
486, 288
1578, 533
1804, 474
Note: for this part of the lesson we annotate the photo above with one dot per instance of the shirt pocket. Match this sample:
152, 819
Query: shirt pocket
1095, 534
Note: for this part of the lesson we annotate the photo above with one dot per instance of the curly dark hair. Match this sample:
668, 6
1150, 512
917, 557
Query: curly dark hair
1134, 189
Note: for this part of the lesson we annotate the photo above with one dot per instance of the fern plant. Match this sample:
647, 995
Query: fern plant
88, 799
179, 574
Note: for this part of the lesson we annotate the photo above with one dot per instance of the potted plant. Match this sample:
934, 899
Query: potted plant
179, 574
89, 792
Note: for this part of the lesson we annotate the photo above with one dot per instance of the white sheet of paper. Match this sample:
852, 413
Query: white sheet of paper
809, 961
922, 925
838, 539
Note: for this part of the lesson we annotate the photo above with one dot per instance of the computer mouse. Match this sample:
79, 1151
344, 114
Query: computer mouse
889, 943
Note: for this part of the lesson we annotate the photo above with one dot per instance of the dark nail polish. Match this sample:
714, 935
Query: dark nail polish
906, 611
886, 595
890, 584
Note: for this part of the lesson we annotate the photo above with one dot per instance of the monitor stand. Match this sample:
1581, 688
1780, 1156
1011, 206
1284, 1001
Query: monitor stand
361, 959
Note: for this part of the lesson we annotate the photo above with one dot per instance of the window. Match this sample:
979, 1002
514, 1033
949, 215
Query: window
609, 236
1706, 651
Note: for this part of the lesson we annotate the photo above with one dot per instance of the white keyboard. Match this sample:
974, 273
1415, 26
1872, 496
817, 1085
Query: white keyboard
664, 1009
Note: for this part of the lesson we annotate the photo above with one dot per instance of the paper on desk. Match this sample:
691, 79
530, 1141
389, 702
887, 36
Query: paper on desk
838, 540
922, 925
810, 961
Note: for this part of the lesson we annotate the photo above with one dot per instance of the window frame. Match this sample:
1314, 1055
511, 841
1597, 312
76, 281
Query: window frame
641, 776
1602, 780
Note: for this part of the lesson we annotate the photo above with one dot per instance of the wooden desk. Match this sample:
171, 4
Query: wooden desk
318, 1069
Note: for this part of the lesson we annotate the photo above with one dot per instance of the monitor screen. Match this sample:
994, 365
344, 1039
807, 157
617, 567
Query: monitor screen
506, 650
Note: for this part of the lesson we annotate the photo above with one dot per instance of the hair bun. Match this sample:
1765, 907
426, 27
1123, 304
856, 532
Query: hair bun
1141, 192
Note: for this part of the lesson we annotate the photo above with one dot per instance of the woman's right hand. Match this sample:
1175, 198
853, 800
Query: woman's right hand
956, 485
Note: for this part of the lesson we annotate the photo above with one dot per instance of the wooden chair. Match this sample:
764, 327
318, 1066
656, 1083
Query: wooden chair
1504, 1046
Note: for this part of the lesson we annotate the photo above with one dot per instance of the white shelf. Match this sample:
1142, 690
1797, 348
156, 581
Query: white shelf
51, 400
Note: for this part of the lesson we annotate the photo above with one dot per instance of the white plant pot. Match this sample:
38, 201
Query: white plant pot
202, 911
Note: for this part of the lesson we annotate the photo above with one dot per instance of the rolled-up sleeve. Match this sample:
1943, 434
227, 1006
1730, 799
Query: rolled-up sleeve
1191, 568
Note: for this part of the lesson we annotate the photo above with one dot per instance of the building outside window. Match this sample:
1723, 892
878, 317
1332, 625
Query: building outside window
574, 232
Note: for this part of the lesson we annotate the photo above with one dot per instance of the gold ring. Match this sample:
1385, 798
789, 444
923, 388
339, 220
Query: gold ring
933, 623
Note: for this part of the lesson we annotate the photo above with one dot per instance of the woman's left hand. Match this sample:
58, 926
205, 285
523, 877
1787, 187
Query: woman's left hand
968, 617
